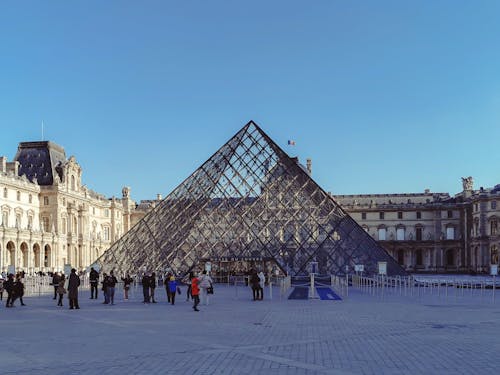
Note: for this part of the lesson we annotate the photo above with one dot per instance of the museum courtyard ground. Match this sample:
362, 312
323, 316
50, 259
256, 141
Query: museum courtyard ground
363, 334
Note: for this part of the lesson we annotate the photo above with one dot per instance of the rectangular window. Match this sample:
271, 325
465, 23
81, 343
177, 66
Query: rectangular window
381, 215
363, 215
18, 195
400, 215
30, 222
450, 233
45, 221
450, 214
45, 201
475, 207
106, 212
381, 234
5, 219
493, 205
30, 198
106, 233
400, 234
419, 215
418, 233
493, 227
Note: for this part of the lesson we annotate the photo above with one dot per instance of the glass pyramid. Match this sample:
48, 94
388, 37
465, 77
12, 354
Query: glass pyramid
250, 200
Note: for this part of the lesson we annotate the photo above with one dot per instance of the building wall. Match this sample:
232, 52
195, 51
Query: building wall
42, 228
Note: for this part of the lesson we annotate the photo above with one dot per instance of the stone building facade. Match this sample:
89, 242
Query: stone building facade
433, 232
49, 218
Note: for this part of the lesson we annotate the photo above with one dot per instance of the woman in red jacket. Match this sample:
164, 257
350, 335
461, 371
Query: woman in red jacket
195, 292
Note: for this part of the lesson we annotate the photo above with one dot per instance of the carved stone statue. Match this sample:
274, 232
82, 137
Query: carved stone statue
126, 192
467, 183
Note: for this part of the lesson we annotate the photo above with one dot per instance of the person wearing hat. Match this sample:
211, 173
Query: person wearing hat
172, 286
73, 284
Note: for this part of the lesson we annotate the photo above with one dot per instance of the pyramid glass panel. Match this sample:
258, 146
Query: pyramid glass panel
250, 200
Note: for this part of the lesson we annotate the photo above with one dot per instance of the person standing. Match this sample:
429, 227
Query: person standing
172, 286
262, 283
111, 287
195, 292
61, 290
55, 283
152, 286
254, 283
127, 280
94, 282
205, 282
105, 288
145, 287
9, 288
73, 284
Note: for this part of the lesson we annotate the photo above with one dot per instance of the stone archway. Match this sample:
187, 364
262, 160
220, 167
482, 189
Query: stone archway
450, 258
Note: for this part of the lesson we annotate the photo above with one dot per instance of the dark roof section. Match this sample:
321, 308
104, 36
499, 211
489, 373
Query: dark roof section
39, 160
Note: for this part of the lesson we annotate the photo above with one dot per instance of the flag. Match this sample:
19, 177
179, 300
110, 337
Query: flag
291, 143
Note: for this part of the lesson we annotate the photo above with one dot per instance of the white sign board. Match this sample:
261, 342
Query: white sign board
208, 266
359, 267
67, 269
493, 269
382, 268
11, 269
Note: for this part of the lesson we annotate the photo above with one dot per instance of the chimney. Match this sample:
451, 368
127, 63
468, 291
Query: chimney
158, 197
13, 166
3, 164
309, 166
427, 191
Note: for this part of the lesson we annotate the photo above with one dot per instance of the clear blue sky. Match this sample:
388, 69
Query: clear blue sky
384, 96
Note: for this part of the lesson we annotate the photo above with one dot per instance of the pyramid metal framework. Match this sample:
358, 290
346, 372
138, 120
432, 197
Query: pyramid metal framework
249, 200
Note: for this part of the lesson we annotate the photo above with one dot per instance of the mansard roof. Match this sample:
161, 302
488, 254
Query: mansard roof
40, 160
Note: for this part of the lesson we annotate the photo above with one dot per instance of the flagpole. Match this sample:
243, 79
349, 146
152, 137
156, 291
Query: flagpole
42, 130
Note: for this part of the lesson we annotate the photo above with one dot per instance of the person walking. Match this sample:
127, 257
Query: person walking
205, 282
172, 285
127, 280
73, 284
195, 292
1, 287
145, 287
55, 283
105, 288
188, 282
61, 290
254, 283
262, 283
94, 282
111, 287
167, 289
9, 288
152, 286
19, 289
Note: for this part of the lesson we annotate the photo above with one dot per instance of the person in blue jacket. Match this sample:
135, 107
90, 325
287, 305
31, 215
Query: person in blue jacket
172, 287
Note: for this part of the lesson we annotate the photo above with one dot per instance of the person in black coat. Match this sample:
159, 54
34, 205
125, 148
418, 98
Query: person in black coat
73, 284
55, 283
145, 287
19, 289
152, 286
254, 283
94, 281
9, 288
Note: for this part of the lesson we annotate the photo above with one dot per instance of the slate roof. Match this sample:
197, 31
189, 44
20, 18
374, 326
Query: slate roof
39, 160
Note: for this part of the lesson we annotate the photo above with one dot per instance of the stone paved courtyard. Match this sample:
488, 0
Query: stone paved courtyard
363, 334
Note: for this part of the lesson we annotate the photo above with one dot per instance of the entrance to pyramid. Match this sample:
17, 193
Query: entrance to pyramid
249, 200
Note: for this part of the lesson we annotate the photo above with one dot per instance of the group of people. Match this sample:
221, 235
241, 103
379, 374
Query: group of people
14, 287
199, 287
59, 281
257, 281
